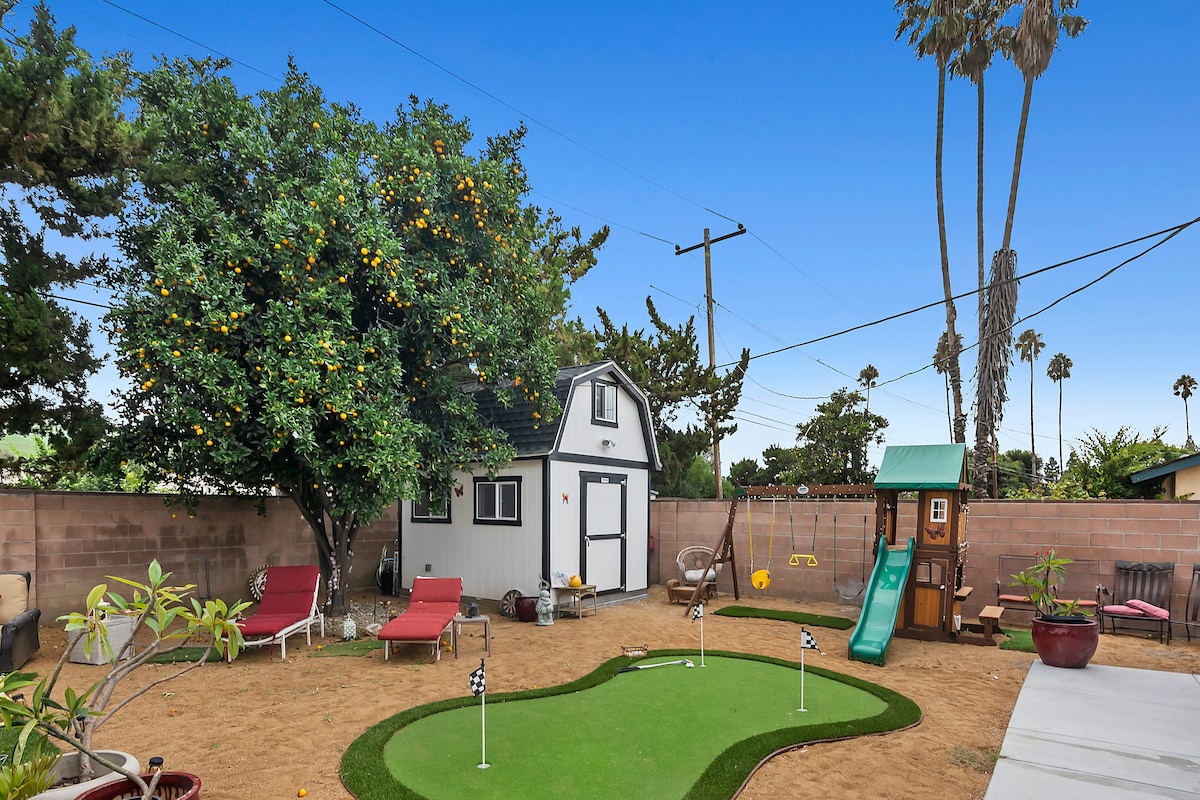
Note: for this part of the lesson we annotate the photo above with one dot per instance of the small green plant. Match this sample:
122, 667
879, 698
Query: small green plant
1040, 582
973, 759
27, 762
157, 609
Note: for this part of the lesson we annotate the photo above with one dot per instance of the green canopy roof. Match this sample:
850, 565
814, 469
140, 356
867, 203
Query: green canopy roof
923, 466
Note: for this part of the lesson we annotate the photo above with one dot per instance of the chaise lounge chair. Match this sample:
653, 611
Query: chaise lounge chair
289, 605
432, 606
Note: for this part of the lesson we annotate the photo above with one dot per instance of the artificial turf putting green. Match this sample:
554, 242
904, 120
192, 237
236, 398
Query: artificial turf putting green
816, 620
669, 732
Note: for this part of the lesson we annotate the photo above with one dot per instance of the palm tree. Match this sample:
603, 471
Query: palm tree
866, 379
941, 363
1184, 388
1030, 346
1059, 370
938, 28
985, 35
1034, 43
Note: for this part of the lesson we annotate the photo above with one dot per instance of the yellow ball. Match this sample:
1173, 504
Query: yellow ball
303, 792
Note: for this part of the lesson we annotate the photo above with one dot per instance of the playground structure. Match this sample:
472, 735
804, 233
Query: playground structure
760, 524
928, 603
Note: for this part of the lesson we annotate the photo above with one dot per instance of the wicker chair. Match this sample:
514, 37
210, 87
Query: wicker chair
691, 563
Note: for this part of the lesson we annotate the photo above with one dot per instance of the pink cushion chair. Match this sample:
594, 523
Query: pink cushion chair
432, 606
289, 605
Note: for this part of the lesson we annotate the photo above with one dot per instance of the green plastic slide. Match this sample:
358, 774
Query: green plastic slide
877, 622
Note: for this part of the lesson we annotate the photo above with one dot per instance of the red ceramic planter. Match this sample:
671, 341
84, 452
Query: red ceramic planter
172, 786
1068, 642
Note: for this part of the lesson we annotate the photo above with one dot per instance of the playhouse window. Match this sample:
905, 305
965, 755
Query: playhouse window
427, 509
498, 502
937, 509
604, 405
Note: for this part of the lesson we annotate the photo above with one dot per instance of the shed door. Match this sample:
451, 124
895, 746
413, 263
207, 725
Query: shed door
602, 530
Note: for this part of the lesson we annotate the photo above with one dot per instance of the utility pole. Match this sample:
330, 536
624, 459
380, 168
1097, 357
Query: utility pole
712, 349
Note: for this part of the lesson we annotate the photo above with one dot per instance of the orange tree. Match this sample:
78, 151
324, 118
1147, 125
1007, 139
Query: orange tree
308, 291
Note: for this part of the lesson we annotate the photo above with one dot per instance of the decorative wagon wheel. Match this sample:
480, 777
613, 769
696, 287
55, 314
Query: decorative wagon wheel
258, 581
508, 603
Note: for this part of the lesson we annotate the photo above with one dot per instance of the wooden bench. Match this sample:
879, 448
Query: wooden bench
1148, 581
989, 618
1082, 584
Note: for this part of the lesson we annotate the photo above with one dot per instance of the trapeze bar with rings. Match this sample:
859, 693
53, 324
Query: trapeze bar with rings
802, 559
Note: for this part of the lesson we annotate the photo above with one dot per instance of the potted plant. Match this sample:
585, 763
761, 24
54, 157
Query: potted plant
1063, 633
163, 617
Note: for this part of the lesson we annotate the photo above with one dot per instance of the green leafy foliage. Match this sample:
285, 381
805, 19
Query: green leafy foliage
664, 361
832, 450
163, 616
1102, 464
64, 152
311, 291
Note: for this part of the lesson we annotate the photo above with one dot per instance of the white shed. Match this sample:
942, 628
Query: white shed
575, 501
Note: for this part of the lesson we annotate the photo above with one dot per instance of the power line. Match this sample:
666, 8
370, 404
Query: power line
524, 114
1173, 231
187, 38
602, 219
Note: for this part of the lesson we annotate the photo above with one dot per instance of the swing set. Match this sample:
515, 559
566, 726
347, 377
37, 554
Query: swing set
760, 578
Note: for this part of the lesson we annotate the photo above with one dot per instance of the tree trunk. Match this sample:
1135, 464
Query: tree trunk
953, 345
1061, 466
982, 438
1016, 176
1033, 470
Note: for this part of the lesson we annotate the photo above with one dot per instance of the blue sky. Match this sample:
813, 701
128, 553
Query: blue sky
811, 126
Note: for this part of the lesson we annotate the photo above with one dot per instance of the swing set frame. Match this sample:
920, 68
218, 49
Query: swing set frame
724, 552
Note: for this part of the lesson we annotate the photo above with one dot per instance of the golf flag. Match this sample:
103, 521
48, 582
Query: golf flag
478, 682
807, 642
697, 611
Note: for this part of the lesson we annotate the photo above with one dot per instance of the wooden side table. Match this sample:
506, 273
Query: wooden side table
456, 629
571, 600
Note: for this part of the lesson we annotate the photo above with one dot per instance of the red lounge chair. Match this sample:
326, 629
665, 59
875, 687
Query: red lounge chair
289, 604
432, 606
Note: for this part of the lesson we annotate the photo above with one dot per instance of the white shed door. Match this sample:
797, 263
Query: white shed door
603, 530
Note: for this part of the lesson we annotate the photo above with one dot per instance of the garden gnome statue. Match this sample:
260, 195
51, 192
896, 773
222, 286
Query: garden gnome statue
545, 609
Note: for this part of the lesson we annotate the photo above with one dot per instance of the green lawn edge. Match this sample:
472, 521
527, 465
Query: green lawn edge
1022, 641
365, 776
819, 620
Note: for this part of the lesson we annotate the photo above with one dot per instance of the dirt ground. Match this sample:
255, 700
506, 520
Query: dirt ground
263, 727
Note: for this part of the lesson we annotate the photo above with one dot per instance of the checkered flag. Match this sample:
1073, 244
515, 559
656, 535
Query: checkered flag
697, 611
478, 683
807, 642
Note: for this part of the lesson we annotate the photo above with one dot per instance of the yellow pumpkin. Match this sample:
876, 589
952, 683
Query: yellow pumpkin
576, 581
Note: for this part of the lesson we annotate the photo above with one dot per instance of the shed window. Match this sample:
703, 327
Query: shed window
937, 509
426, 509
604, 405
498, 502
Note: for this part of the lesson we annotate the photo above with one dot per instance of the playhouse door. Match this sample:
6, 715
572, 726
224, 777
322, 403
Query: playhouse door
930, 590
602, 530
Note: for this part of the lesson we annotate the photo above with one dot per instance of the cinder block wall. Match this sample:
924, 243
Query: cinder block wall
72, 541
1106, 531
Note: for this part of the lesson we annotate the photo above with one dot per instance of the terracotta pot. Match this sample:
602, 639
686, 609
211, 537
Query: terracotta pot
1066, 642
171, 786
527, 609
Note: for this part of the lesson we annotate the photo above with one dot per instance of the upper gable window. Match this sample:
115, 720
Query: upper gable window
937, 509
604, 403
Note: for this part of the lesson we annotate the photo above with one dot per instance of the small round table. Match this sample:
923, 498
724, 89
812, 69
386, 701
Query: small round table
456, 629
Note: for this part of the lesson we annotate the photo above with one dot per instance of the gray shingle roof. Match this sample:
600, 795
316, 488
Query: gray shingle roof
518, 421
